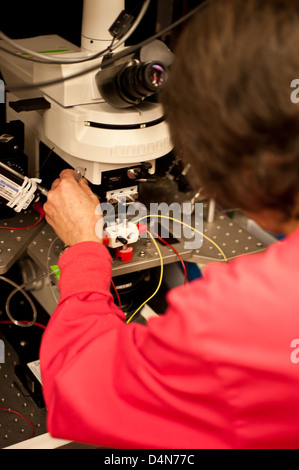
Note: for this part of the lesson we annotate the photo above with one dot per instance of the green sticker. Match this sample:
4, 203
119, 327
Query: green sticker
55, 268
51, 51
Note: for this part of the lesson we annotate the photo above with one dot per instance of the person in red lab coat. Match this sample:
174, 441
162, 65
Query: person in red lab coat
220, 369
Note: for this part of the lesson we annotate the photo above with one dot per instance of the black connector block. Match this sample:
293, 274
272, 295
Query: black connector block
31, 104
121, 25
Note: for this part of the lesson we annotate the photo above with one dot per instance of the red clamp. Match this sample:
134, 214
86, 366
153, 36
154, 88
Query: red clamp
125, 254
105, 240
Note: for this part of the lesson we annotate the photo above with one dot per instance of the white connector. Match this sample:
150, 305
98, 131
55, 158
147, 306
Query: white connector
124, 230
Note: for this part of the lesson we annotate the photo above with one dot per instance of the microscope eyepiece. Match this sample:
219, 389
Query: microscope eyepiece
157, 75
129, 84
127, 80
137, 82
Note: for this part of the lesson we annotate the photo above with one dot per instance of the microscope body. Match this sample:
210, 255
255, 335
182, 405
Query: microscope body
84, 129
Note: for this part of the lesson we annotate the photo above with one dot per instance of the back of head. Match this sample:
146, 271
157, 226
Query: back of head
228, 101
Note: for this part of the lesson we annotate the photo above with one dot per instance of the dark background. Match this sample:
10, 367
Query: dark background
30, 18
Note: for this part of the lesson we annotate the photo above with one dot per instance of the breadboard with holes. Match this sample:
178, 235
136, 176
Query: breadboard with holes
14, 241
230, 236
20, 417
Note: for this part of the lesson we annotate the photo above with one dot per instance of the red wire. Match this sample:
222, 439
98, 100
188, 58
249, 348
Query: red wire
8, 409
8, 322
117, 294
23, 417
178, 255
38, 207
24, 228
37, 171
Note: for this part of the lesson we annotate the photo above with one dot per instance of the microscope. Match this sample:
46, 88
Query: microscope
96, 109
100, 120
93, 108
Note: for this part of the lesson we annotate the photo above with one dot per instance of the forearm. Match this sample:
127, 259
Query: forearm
88, 353
85, 299
85, 267
118, 385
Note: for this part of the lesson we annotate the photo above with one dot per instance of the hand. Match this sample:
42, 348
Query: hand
71, 209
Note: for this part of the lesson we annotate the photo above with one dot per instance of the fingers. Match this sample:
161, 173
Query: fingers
66, 187
49, 215
67, 174
63, 175
70, 209
83, 183
70, 175
55, 183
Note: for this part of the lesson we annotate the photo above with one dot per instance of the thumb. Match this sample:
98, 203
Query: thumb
86, 188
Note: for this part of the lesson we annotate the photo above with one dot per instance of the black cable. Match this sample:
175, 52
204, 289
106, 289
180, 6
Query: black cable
108, 62
44, 60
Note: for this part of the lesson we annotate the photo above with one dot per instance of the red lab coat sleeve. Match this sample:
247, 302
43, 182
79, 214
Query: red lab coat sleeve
122, 385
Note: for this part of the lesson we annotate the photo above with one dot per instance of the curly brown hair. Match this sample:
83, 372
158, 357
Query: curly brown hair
228, 105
